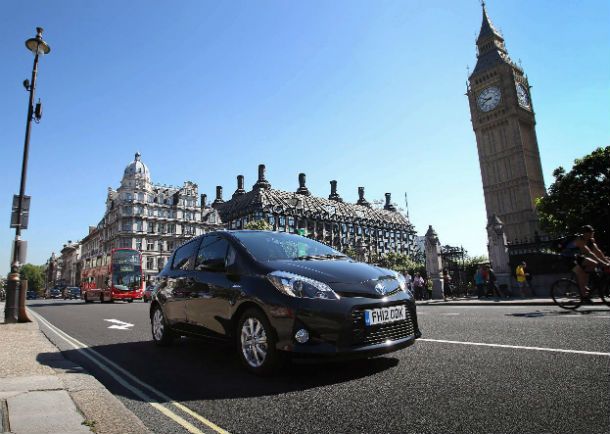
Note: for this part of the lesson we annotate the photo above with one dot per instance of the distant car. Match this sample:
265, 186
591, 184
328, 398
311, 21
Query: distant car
54, 293
147, 296
72, 292
31, 295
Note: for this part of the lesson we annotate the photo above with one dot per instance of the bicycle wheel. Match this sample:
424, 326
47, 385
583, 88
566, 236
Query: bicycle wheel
604, 291
566, 294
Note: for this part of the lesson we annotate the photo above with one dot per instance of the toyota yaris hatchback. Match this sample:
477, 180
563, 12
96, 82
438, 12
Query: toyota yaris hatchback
277, 294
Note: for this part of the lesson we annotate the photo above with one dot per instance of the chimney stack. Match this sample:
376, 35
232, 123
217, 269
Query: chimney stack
218, 199
388, 202
204, 199
262, 182
240, 186
333, 192
302, 187
361, 200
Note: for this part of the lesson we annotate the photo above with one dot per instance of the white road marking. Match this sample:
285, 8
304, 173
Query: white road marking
119, 325
113, 369
517, 347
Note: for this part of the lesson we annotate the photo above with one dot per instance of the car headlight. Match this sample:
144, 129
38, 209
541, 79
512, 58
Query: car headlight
295, 285
402, 282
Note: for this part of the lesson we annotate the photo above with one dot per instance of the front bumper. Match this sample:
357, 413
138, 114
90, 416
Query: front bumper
126, 295
337, 328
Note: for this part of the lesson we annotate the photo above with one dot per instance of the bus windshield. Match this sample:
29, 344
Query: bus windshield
126, 269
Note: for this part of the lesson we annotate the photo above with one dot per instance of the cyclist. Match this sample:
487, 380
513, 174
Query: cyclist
588, 257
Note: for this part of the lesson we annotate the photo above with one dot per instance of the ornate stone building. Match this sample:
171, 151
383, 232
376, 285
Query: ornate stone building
71, 264
367, 231
150, 217
503, 119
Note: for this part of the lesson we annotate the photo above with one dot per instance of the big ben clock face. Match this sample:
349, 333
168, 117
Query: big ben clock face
522, 96
489, 98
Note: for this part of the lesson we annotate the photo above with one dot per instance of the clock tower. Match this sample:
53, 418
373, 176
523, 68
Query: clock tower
503, 121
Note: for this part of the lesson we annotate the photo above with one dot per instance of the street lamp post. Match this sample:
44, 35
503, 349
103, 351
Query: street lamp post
39, 47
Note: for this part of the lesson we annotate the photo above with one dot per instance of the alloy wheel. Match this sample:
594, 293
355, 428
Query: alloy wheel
157, 325
254, 345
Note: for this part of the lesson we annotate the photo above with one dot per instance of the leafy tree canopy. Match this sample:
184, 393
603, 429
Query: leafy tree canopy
579, 197
260, 225
34, 274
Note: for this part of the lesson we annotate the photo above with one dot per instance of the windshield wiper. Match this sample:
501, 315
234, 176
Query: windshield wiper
313, 257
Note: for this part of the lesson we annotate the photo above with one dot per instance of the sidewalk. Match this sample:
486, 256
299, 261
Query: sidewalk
493, 301
41, 392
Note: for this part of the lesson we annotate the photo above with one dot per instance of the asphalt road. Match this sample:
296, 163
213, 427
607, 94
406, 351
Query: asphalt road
431, 387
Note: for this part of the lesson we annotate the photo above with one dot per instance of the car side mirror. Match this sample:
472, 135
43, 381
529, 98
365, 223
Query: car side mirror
212, 265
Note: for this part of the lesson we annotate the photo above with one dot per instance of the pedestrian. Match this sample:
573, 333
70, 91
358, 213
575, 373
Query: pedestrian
409, 280
480, 278
521, 278
528, 280
446, 284
428, 283
418, 285
492, 287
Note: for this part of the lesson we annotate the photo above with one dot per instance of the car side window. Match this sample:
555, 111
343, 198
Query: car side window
183, 255
212, 252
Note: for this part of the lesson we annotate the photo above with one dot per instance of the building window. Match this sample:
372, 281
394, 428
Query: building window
161, 228
151, 228
151, 245
139, 244
150, 263
170, 246
171, 228
141, 196
258, 215
139, 225
291, 224
271, 220
126, 243
127, 210
126, 225
160, 245
282, 224
161, 263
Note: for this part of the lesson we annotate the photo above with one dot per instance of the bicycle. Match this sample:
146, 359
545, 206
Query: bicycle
566, 292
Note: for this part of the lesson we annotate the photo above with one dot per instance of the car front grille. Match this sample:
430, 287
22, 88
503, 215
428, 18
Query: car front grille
378, 334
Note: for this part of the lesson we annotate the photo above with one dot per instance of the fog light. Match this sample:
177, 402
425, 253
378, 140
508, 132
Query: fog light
302, 336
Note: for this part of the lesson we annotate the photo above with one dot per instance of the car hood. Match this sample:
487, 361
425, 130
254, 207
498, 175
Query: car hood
333, 271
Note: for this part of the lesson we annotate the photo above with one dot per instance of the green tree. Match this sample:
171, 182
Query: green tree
578, 197
34, 274
259, 225
400, 262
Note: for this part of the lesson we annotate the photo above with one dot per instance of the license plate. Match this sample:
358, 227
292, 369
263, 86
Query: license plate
385, 315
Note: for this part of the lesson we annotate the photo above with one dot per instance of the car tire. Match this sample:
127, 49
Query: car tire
161, 333
129, 301
256, 339
86, 298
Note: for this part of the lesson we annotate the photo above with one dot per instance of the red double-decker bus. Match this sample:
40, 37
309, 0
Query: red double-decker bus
118, 276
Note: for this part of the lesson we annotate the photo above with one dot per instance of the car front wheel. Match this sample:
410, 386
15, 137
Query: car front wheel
256, 343
162, 335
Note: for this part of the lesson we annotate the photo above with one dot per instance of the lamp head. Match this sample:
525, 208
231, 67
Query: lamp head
37, 45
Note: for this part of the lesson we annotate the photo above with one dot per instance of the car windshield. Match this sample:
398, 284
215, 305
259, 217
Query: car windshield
269, 246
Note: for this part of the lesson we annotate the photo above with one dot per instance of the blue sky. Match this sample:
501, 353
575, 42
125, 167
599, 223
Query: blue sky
370, 93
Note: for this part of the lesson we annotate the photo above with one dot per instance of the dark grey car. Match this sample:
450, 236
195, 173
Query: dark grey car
278, 294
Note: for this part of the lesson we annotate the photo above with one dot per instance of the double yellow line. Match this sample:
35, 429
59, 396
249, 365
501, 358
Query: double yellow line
120, 375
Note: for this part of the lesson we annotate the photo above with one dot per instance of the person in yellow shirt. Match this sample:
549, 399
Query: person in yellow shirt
521, 278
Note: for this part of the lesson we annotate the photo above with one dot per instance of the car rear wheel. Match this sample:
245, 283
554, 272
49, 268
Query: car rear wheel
256, 343
162, 334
